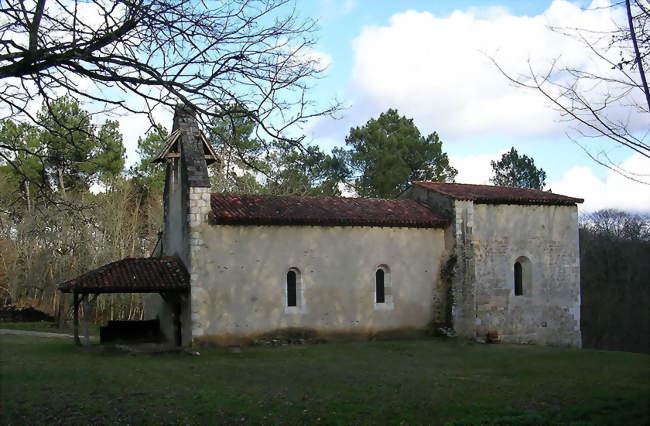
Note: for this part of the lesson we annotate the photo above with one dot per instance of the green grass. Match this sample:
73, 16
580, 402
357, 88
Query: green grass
48, 327
406, 382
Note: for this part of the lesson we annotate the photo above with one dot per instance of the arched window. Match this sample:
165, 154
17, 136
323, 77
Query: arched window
522, 276
518, 279
292, 288
383, 288
380, 294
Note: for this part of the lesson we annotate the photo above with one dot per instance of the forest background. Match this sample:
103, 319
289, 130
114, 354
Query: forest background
77, 207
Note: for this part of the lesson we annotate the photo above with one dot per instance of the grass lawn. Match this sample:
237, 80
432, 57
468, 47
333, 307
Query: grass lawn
48, 381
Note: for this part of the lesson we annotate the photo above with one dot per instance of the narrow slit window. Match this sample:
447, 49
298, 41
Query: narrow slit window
518, 279
291, 289
380, 294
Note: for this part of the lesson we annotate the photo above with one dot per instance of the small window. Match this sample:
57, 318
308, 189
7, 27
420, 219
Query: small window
522, 273
292, 290
380, 295
518, 279
383, 291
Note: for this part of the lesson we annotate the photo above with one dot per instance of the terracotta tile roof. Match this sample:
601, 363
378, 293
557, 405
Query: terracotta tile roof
487, 194
289, 210
132, 275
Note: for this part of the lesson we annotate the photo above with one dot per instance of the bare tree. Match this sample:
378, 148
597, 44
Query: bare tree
50, 246
614, 269
251, 57
603, 105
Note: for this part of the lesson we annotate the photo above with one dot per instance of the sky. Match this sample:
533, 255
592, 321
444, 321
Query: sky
430, 61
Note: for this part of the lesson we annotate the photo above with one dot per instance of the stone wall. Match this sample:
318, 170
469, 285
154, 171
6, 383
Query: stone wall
548, 311
483, 241
448, 279
463, 283
186, 205
199, 207
174, 242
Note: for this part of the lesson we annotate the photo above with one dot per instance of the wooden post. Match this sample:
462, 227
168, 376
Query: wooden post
75, 298
178, 326
87, 308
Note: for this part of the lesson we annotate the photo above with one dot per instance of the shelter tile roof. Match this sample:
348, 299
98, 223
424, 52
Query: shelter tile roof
487, 194
290, 210
133, 275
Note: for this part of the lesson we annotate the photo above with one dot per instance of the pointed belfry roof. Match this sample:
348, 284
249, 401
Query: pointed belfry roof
170, 149
188, 143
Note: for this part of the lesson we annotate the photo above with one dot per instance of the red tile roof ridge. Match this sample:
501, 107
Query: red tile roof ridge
492, 194
265, 209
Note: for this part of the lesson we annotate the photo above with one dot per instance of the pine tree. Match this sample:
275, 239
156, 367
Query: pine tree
517, 171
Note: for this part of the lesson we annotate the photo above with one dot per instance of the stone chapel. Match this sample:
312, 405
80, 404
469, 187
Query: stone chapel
476, 259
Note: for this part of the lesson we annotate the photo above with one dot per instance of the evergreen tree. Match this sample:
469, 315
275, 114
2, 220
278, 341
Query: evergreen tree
110, 156
309, 172
148, 176
67, 153
23, 172
388, 153
517, 171
244, 158
77, 155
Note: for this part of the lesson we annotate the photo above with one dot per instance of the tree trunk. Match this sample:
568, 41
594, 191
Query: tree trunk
27, 196
637, 55
59, 177
60, 314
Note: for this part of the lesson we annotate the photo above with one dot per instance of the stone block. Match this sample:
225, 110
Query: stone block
483, 300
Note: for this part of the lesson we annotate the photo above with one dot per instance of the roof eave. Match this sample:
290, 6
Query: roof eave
167, 145
315, 222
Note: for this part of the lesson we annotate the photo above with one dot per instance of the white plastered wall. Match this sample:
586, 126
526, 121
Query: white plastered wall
240, 283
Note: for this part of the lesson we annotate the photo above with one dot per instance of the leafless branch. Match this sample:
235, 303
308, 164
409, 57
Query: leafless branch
601, 105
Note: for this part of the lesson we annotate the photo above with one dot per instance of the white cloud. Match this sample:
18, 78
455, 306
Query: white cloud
332, 8
614, 191
320, 60
436, 69
475, 168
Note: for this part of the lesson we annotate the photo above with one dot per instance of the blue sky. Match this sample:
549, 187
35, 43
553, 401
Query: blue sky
428, 60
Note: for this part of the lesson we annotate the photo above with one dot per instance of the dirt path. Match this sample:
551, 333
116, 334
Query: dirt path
38, 333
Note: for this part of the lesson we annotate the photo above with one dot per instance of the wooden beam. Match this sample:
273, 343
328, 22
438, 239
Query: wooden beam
75, 316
